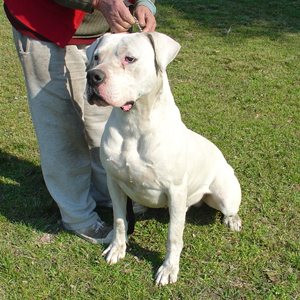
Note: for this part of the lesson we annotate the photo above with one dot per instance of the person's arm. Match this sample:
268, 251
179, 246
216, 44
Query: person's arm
116, 13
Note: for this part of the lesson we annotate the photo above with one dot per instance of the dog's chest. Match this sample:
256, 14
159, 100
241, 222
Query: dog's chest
130, 161
133, 166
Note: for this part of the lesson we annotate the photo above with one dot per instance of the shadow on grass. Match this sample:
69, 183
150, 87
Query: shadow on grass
24, 197
254, 18
201, 216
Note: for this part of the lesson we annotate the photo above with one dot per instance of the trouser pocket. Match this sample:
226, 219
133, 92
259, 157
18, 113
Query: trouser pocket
22, 42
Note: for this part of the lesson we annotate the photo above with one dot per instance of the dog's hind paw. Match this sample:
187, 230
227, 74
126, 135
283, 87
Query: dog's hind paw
166, 274
114, 253
234, 223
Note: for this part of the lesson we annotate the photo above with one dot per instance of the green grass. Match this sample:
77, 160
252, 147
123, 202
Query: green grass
236, 81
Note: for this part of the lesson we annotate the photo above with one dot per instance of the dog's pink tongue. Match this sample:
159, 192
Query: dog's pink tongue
127, 107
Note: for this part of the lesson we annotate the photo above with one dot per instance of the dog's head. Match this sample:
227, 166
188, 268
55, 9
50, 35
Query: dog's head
124, 67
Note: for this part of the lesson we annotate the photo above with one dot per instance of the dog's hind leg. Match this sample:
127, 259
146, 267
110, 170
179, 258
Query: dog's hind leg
226, 197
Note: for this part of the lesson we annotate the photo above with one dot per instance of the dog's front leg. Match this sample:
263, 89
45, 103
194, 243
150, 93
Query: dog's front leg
168, 272
116, 250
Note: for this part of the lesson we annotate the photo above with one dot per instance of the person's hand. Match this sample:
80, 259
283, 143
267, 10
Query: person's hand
145, 17
116, 14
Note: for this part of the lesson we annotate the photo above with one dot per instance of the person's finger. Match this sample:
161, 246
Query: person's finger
116, 14
123, 21
117, 28
150, 24
145, 17
126, 16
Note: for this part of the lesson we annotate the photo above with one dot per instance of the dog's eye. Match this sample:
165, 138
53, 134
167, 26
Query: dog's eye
96, 57
129, 59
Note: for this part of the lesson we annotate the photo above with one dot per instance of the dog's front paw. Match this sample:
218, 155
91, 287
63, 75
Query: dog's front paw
114, 252
234, 223
166, 274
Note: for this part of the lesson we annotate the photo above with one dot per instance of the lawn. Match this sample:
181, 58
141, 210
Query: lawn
236, 81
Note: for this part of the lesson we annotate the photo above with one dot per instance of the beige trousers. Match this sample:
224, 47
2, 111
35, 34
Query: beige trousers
68, 129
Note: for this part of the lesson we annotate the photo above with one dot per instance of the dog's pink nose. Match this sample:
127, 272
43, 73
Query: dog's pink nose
95, 77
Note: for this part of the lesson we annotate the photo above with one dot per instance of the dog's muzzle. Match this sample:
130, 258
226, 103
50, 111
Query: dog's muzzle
94, 79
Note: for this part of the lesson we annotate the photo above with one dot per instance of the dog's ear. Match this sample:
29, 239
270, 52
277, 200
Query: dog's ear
90, 53
165, 49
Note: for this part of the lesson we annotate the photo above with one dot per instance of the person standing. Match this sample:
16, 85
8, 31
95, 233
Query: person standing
51, 38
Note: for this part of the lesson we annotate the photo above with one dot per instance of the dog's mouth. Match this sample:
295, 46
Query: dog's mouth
127, 106
95, 98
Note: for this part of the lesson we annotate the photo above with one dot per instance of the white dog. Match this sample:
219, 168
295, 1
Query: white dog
146, 150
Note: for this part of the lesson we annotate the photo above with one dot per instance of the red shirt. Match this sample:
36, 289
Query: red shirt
44, 20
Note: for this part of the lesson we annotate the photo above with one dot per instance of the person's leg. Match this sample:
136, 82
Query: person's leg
57, 118
95, 119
